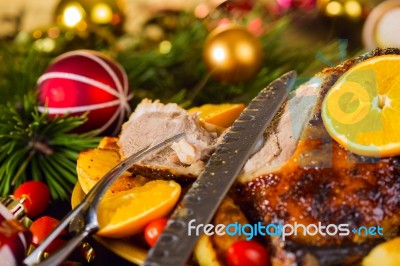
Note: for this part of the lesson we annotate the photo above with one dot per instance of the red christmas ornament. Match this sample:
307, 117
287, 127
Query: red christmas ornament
84, 80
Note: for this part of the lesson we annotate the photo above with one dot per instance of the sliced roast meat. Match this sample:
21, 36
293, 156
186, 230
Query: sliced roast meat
153, 122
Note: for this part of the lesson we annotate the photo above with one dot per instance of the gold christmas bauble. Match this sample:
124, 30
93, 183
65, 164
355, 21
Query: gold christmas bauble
232, 54
82, 14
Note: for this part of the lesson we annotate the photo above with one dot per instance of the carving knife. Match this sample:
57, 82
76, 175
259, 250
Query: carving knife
175, 245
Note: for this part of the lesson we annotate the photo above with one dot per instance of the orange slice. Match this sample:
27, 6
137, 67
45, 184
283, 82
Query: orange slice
362, 109
220, 115
128, 212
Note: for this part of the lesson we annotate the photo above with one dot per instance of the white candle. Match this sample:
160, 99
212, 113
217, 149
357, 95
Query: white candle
387, 33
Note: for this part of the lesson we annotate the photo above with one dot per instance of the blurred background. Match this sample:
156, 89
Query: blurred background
337, 18
72, 71
147, 36
30, 15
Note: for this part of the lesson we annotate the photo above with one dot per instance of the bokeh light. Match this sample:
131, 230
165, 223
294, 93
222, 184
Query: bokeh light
72, 15
101, 13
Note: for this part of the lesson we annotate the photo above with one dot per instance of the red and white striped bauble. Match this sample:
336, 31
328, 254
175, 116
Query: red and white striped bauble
82, 81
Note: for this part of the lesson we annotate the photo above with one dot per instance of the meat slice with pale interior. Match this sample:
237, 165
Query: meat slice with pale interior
154, 122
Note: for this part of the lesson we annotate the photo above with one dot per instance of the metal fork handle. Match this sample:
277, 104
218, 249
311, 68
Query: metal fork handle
37, 254
89, 206
60, 255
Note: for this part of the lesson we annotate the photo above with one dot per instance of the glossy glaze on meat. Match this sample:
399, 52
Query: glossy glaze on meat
323, 182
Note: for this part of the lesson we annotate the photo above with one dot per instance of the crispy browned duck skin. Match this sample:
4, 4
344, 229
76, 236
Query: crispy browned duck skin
159, 173
323, 182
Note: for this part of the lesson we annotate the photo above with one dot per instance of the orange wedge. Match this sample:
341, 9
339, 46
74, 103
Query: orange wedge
362, 109
127, 213
220, 115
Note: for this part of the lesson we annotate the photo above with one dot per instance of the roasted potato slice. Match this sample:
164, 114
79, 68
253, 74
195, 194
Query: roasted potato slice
93, 164
109, 143
228, 213
211, 250
205, 252
387, 253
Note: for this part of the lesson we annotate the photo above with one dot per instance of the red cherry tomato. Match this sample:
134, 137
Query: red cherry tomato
41, 228
153, 230
247, 253
37, 197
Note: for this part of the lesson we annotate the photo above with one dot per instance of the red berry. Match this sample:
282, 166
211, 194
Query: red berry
153, 230
36, 195
41, 228
247, 253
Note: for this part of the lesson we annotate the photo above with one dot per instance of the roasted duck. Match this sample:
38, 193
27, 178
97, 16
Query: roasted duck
303, 176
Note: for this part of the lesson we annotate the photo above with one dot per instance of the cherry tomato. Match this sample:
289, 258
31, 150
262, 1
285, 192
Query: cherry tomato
41, 228
153, 230
37, 197
247, 253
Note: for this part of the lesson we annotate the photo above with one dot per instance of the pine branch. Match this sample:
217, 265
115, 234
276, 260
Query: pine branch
19, 70
35, 146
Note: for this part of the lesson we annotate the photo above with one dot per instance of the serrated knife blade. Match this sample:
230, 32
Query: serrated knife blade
175, 245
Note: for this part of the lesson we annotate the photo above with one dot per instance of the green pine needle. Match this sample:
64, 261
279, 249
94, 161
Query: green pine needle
34, 146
